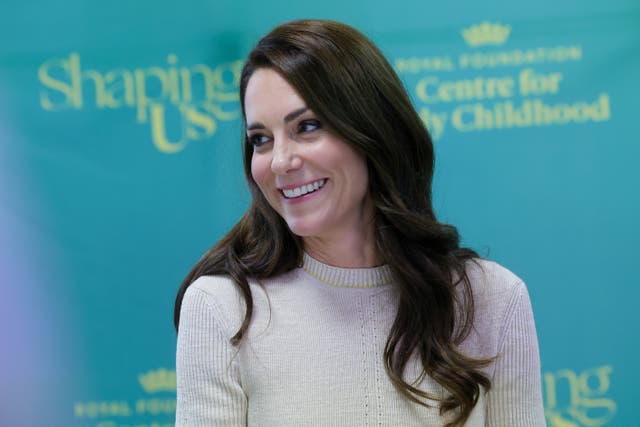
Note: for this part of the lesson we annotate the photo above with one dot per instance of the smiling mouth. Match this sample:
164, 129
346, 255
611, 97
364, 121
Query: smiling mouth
292, 193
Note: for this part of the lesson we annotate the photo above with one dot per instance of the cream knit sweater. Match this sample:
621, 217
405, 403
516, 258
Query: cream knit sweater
313, 354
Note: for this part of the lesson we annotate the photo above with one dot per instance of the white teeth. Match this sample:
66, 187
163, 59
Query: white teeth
303, 189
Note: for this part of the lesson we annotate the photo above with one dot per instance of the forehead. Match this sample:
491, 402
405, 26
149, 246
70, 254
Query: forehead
269, 95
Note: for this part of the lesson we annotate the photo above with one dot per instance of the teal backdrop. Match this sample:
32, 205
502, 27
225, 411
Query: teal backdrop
120, 165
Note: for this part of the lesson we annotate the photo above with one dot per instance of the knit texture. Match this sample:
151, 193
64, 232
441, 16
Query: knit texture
313, 355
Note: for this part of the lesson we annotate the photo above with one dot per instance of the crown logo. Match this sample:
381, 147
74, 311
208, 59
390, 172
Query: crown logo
486, 33
158, 380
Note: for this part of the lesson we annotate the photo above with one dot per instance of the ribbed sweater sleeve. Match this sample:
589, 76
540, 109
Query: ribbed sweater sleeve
515, 398
208, 387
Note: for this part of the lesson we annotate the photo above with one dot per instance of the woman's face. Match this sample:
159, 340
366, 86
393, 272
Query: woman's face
311, 177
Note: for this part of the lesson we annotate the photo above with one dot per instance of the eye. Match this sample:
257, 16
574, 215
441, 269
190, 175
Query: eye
258, 140
309, 125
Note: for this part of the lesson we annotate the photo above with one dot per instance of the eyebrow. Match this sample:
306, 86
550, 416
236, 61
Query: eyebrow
289, 117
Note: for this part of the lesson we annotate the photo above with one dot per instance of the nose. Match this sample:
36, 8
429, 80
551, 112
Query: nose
285, 156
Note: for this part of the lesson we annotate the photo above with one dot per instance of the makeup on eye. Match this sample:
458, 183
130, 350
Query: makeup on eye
303, 126
309, 125
257, 140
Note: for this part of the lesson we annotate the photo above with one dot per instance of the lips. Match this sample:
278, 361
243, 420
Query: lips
301, 190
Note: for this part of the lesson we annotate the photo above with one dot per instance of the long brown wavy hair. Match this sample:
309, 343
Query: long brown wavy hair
346, 81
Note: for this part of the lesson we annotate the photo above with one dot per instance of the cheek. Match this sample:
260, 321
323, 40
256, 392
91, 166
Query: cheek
260, 170
264, 178
359, 173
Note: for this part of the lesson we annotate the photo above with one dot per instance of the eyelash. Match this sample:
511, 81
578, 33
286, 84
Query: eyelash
304, 126
258, 140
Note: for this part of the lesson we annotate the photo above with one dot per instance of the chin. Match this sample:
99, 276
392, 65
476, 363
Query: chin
303, 228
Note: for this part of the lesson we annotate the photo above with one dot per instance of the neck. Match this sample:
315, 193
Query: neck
354, 249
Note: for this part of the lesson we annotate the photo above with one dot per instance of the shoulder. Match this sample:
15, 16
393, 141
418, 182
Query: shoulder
495, 289
216, 289
215, 298
489, 279
222, 298
498, 294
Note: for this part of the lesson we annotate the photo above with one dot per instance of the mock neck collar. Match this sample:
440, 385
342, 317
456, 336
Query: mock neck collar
347, 277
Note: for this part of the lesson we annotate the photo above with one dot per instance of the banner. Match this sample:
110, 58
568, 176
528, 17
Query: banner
120, 164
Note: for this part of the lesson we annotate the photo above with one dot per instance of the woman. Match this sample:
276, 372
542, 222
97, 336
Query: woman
338, 299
